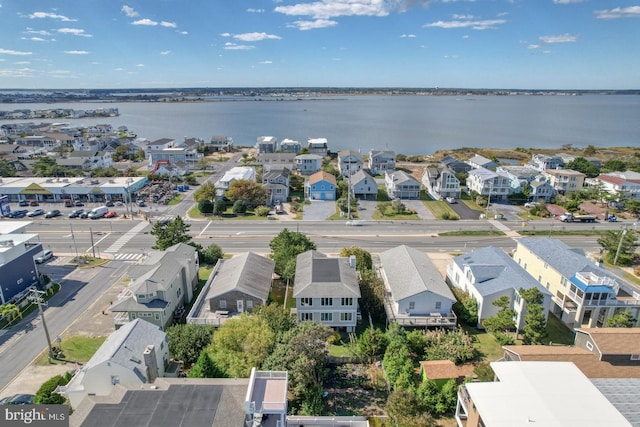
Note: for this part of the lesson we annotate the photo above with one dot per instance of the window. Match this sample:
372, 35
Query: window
157, 316
438, 305
326, 301
306, 302
635, 357
346, 317
249, 305
347, 301
223, 303
326, 317
589, 346
412, 305
304, 317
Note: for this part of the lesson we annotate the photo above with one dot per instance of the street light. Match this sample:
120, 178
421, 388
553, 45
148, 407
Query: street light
128, 201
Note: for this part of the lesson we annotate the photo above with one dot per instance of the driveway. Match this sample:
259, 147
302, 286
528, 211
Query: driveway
464, 211
366, 209
420, 208
319, 210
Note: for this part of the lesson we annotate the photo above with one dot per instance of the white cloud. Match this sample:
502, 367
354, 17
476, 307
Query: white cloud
312, 25
129, 11
462, 16
13, 52
165, 52
476, 25
76, 52
252, 10
35, 39
567, 1
234, 46
118, 69
73, 31
619, 12
38, 32
408, 36
184, 33
534, 46
266, 62
560, 38
168, 24
145, 21
22, 63
40, 15
326, 9
253, 37
17, 73
139, 65
225, 34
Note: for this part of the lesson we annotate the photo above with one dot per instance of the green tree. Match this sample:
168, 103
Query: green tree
211, 254
363, 258
502, 323
240, 344
239, 207
622, 319
6, 168
439, 401
205, 206
251, 192
405, 409
279, 319
10, 311
186, 341
285, 247
589, 150
614, 165
455, 345
207, 191
372, 295
619, 246
171, 233
261, 211
219, 207
371, 343
535, 324
466, 307
397, 362
205, 368
583, 165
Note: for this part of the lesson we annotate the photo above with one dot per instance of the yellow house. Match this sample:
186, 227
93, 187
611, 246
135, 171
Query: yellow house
584, 294
565, 180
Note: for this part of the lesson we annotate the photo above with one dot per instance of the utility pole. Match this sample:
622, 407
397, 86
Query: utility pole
36, 296
92, 245
615, 259
73, 237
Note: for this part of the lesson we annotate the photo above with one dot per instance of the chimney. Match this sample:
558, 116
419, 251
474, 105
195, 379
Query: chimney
352, 261
149, 356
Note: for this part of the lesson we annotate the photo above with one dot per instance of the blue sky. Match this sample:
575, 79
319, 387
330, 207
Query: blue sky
536, 44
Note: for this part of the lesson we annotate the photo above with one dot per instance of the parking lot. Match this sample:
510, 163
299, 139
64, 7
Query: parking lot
319, 210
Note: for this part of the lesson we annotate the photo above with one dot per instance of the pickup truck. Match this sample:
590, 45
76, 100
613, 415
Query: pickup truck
569, 217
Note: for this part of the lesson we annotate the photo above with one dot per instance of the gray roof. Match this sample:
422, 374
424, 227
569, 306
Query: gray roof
482, 161
126, 346
318, 276
410, 272
402, 177
248, 273
277, 172
495, 271
623, 394
568, 261
361, 175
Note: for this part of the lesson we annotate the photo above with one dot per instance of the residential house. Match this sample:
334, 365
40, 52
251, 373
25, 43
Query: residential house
623, 185
456, 165
183, 156
266, 144
364, 186
416, 295
540, 393
488, 274
38, 142
78, 163
479, 161
381, 161
597, 352
495, 185
326, 290
290, 146
160, 287
401, 185
276, 160
159, 144
541, 190
542, 162
565, 180
321, 186
95, 159
442, 181
318, 146
584, 294
349, 162
519, 175
18, 269
221, 143
276, 181
308, 164
234, 174
240, 284
134, 355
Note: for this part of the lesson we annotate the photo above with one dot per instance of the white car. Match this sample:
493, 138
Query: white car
451, 200
530, 204
355, 223
44, 256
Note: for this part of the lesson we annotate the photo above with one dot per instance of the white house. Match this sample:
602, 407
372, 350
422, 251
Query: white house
290, 146
624, 185
266, 144
364, 186
479, 161
319, 146
234, 174
401, 185
443, 181
381, 161
276, 181
135, 354
488, 274
416, 293
349, 162
489, 183
308, 164
326, 290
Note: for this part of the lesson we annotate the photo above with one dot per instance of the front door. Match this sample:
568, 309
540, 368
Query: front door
240, 306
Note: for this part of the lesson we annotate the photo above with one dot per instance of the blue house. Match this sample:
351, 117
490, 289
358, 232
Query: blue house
321, 186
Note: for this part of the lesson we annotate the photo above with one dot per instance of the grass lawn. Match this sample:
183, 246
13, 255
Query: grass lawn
439, 208
472, 233
488, 347
78, 348
175, 200
378, 216
557, 332
194, 212
556, 232
339, 349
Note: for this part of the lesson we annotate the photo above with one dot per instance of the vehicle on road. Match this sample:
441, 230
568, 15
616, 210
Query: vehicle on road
44, 256
98, 212
570, 217
111, 214
355, 223
451, 200
36, 212
53, 213
76, 213
612, 218
21, 213
23, 203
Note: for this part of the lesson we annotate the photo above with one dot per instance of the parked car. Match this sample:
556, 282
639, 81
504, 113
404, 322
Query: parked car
53, 213
44, 256
141, 203
23, 203
33, 203
19, 213
111, 214
79, 203
76, 213
451, 200
84, 215
530, 204
18, 399
68, 203
99, 212
108, 203
36, 212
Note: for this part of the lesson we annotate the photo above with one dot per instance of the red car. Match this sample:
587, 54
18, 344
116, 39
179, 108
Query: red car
111, 214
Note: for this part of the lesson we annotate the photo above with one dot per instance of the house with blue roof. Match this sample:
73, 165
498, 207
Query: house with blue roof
585, 295
488, 274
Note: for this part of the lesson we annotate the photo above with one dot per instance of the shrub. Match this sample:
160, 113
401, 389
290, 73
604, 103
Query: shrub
239, 207
261, 211
45, 394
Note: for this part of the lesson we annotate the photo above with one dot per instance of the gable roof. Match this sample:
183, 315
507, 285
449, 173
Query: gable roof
248, 273
482, 161
401, 177
320, 276
322, 176
361, 175
410, 272
612, 341
495, 271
